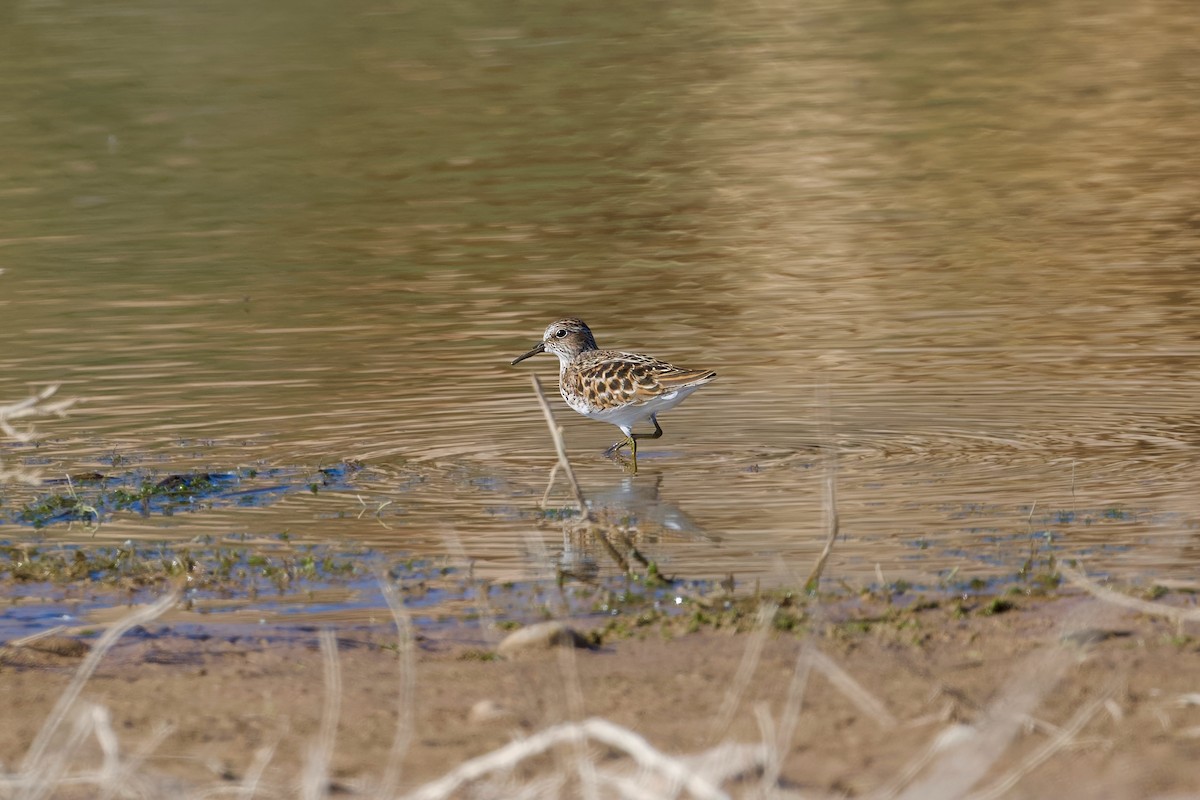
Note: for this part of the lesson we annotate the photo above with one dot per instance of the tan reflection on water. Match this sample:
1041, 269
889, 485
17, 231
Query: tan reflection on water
293, 236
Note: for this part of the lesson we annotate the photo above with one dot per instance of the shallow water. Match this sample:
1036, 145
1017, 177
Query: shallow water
959, 244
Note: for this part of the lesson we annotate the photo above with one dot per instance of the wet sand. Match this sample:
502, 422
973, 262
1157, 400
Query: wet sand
944, 672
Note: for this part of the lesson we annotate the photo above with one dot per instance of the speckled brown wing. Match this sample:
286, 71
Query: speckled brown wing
608, 379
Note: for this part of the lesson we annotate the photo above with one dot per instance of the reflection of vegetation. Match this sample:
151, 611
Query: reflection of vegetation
1039, 575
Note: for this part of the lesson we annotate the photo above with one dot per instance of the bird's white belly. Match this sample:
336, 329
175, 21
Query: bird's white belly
626, 416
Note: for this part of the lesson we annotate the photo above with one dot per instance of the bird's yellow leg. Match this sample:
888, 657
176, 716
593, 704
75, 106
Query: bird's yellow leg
632, 442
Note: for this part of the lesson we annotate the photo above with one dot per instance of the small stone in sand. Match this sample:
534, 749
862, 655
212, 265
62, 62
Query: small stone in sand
486, 711
540, 636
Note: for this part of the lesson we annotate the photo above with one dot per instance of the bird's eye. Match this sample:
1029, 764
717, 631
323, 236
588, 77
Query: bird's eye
561, 332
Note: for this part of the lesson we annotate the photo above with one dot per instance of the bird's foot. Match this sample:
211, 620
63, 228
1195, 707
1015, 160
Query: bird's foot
618, 445
630, 463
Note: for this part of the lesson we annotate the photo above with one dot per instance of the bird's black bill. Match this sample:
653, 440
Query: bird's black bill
540, 348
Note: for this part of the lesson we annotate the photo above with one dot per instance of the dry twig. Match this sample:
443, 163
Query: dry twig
316, 769
599, 730
1177, 615
828, 494
563, 461
36, 758
745, 671
408, 687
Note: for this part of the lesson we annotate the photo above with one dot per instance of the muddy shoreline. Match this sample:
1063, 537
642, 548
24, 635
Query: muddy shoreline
1125, 680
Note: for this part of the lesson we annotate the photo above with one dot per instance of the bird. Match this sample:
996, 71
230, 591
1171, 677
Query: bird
622, 389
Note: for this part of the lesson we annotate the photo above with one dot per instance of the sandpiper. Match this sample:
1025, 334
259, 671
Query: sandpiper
621, 389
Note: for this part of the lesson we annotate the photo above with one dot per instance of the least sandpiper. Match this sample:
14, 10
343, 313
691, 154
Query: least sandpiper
621, 389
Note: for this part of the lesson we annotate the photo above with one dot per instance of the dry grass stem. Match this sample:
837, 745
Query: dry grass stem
828, 493
560, 448
549, 484
508, 757
629, 788
1061, 739
1074, 504
854, 691
1178, 615
769, 732
487, 617
405, 723
781, 738
316, 768
378, 512
120, 776
24, 641
33, 763
745, 671
49, 770
811, 658
39, 405
575, 707
262, 757
726, 762
829, 504
964, 754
